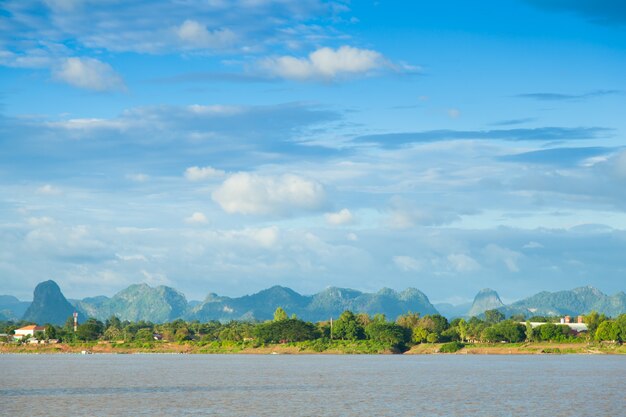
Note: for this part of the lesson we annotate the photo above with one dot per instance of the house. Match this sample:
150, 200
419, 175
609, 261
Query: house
577, 327
28, 331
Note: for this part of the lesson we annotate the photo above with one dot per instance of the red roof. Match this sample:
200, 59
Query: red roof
33, 327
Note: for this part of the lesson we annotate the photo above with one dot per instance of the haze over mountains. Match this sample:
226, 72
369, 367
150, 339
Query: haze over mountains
162, 304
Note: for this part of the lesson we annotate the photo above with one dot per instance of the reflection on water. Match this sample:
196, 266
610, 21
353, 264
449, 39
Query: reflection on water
316, 385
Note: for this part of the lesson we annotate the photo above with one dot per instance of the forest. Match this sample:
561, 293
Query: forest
362, 332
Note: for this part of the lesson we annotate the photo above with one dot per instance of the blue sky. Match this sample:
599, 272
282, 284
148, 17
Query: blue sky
227, 146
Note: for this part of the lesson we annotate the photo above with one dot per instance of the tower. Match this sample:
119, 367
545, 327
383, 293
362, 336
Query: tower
75, 321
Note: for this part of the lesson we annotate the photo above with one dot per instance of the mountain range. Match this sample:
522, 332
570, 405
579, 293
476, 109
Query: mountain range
162, 304
580, 300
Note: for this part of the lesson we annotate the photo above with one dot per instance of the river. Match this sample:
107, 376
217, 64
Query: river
312, 385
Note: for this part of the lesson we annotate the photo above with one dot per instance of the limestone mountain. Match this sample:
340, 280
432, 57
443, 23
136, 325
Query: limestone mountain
580, 300
11, 308
392, 303
259, 306
50, 306
486, 299
321, 306
138, 302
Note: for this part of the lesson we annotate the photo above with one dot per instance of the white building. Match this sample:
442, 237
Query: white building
578, 327
28, 331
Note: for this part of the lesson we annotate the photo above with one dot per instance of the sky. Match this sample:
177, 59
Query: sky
228, 146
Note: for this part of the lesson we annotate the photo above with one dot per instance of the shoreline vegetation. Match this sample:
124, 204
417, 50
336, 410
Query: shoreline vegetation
350, 333
336, 347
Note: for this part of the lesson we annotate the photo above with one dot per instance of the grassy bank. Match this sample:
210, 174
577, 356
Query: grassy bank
319, 347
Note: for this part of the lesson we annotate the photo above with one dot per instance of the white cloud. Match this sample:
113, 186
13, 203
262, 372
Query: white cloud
266, 237
619, 162
454, 113
407, 263
88, 73
216, 109
246, 193
510, 258
194, 34
130, 258
202, 173
533, 245
48, 190
343, 216
87, 124
325, 63
197, 218
461, 262
138, 177
405, 214
155, 278
353, 237
40, 221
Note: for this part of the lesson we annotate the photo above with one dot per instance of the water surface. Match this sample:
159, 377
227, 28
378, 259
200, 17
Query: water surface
312, 385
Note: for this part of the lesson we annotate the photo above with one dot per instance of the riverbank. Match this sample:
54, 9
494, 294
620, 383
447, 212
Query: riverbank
336, 347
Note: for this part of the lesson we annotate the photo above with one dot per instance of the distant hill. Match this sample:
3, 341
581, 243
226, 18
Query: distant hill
333, 301
11, 308
50, 306
321, 306
581, 300
451, 311
486, 299
138, 302
162, 304
90, 305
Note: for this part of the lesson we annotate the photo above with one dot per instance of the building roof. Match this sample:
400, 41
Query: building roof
32, 327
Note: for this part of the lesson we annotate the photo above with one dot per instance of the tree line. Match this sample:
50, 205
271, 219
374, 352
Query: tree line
407, 330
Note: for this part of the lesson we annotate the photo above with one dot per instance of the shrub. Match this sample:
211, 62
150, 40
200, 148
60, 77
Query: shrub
451, 347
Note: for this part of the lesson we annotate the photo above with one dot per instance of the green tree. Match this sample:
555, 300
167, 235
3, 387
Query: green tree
505, 331
475, 328
548, 331
390, 334
51, 331
432, 338
92, 329
419, 335
113, 321
608, 331
144, 335
288, 330
280, 314
434, 323
364, 319
621, 324
529, 333
463, 328
69, 324
113, 333
182, 334
493, 316
450, 335
347, 327
409, 320
593, 320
